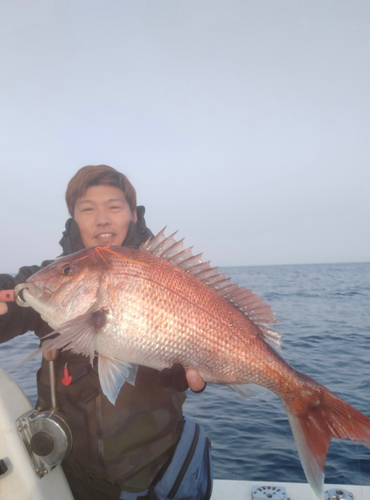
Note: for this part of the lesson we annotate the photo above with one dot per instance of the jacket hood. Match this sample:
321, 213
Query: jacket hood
137, 233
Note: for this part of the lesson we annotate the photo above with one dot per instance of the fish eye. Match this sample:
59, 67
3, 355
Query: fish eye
67, 270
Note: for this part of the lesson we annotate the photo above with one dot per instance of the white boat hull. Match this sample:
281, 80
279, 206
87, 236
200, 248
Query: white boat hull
20, 482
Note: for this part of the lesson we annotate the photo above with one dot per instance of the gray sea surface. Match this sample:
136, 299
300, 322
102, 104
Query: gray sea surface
324, 315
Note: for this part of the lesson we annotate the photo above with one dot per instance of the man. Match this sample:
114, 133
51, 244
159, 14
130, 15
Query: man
137, 448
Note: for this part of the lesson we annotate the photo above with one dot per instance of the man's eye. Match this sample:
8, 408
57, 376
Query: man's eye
86, 209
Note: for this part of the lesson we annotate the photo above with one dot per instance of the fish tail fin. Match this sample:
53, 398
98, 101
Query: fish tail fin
315, 418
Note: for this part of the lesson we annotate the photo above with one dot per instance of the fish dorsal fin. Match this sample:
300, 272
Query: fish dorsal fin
245, 300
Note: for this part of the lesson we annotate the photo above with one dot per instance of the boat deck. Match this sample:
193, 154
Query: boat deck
249, 490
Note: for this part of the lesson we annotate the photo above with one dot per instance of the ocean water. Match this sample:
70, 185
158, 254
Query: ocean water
324, 315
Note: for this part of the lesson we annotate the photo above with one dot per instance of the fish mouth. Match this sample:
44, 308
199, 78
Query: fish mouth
38, 292
19, 297
25, 292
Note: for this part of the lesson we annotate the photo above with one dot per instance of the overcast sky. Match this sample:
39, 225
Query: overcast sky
243, 124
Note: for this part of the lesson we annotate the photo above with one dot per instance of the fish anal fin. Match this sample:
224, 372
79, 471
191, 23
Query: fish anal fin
113, 374
248, 391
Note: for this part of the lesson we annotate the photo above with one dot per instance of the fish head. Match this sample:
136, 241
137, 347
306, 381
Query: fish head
67, 288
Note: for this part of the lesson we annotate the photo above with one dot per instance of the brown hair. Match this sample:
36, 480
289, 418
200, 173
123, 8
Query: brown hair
98, 175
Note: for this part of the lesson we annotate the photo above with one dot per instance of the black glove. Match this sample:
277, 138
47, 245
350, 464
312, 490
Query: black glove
173, 377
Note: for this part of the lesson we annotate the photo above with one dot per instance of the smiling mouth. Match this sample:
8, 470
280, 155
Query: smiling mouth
105, 235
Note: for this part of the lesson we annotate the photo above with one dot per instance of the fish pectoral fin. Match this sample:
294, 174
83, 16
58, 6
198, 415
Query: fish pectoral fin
248, 391
113, 374
78, 334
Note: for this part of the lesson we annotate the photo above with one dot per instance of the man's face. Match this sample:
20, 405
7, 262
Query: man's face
103, 216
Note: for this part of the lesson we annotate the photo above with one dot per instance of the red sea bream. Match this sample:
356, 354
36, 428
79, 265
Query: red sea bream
160, 305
